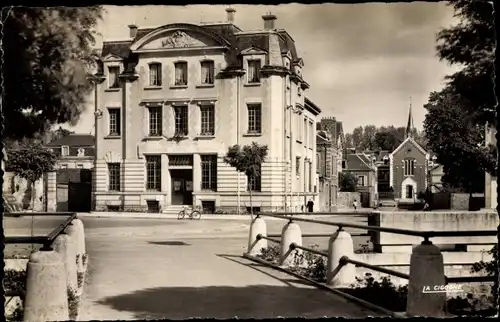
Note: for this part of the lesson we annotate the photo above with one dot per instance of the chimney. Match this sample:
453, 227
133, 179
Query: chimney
230, 14
269, 21
133, 30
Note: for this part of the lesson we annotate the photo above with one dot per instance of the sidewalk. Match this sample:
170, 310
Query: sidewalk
140, 215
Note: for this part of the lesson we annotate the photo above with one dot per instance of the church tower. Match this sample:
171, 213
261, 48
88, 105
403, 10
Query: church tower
410, 127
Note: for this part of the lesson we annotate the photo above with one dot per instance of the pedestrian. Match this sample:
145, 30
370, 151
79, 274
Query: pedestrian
355, 204
310, 205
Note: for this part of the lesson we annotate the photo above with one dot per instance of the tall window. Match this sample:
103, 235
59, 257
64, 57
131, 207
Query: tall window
297, 166
153, 172
209, 172
207, 72
155, 74
254, 71
155, 121
409, 167
317, 162
65, 150
312, 136
181, 120
361, 181
181, 73
300, 129
207, 120
254, 118
306, 132
113, 81
114, 176
310, 176
114, 121
254, 183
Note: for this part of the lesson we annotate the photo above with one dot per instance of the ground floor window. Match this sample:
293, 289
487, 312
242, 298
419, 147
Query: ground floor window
209, 172
153, 172
254, 183
208, 206
114, 176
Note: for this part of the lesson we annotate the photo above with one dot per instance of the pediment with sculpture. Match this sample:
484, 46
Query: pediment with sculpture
179, 39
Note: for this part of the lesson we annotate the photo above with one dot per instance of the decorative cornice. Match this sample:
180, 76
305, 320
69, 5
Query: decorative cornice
274, 70
96, 78
228, 73
129, 77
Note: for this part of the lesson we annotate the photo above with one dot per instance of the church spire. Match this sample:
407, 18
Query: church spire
409, 126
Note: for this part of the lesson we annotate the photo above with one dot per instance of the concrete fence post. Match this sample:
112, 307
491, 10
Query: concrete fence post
76, 232
46, 288
65, 246
291, 234
257, 227
426, 270
339, 275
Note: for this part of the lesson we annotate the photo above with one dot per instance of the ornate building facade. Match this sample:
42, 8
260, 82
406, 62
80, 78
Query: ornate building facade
171, 100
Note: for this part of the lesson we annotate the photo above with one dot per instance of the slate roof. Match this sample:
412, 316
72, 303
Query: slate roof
73, 140
358, 161
229, 32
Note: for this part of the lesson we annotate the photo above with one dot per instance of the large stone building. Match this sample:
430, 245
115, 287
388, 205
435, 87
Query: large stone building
329, 147
171, 100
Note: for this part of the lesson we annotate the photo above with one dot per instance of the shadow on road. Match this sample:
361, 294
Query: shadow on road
169, 243
258, 267
255, 301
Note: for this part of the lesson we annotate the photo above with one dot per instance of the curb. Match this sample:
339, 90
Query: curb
203, 217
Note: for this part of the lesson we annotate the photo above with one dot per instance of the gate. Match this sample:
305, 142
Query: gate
74, 190
365, 199
79, 196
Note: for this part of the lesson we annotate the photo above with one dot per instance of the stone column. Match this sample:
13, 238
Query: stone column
165, 180
196, 172
51, 193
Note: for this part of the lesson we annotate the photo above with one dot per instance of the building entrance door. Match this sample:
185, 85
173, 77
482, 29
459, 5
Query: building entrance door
182, 187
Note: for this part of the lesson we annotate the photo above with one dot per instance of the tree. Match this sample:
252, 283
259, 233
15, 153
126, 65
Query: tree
248, 160
30, 162
348, 181
457, 115
458, 142
47, 55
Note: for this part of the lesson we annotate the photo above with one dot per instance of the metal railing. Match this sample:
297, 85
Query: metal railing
345, 260
46, 241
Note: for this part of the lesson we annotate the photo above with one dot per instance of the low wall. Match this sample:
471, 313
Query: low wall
346, 199
434, 220
455, 264
459, 201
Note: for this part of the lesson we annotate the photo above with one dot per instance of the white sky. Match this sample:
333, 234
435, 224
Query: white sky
363, 61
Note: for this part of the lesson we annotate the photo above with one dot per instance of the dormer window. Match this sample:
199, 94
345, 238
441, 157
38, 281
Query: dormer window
113, 81
81, 152
207, 72
155, 74
65, 150
254, 71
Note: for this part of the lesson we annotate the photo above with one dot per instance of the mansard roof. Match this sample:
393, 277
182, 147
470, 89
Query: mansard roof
225, 33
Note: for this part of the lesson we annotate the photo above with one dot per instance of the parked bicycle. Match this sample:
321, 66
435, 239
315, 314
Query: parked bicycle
194, 214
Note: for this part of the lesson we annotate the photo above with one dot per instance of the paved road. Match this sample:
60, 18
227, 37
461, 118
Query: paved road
151, 269
181, 269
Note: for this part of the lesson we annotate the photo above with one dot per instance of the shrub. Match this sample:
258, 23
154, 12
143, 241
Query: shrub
15, 280
73, 303
491, 269
310, 265
79, 277
271, 254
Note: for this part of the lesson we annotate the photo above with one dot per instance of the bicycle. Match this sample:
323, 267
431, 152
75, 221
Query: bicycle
193, 214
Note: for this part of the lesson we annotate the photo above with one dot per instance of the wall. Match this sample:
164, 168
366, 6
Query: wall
346, 199
455, 264
459, 201
434, 221
18, 188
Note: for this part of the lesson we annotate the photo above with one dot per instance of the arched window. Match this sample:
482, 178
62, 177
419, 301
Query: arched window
409, 167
